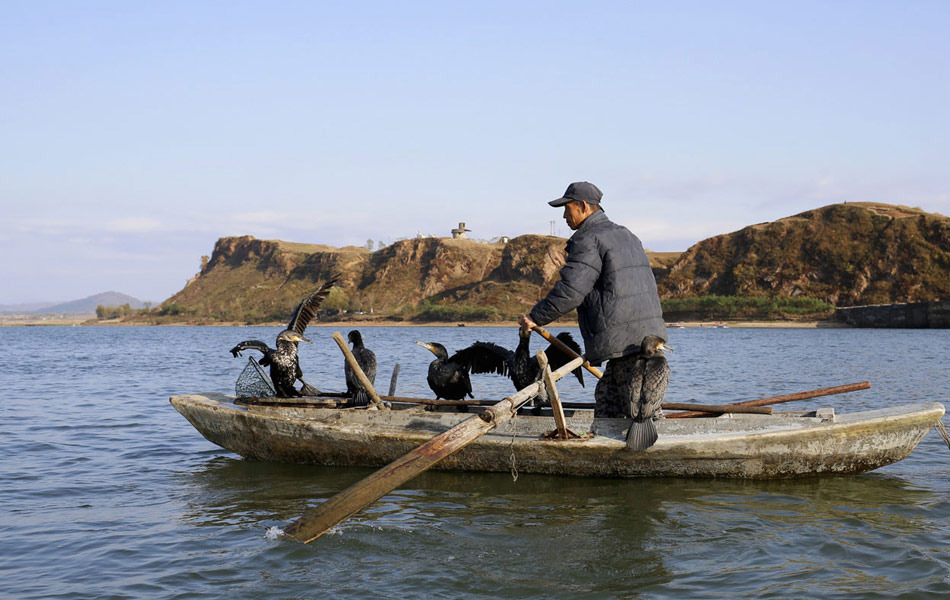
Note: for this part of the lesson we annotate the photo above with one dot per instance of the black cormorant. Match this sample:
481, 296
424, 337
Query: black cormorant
522, 366
525, 369
651, 375
283, 362
366, 359
449, 376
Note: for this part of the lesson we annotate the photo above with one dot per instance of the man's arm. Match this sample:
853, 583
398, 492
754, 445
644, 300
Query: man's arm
578, 277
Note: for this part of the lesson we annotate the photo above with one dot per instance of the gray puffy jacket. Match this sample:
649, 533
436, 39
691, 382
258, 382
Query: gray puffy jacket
607, 278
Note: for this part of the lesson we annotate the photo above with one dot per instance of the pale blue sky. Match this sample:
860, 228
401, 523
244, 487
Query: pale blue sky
134, 134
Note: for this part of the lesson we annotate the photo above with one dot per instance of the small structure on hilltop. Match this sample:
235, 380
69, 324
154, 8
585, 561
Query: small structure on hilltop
459, 232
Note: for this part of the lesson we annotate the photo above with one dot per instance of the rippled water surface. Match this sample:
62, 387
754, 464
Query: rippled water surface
107, 492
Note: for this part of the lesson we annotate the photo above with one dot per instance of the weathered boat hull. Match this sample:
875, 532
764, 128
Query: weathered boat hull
746, 446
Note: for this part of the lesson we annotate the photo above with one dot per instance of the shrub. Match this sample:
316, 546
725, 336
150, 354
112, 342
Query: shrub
715, 307
462, 312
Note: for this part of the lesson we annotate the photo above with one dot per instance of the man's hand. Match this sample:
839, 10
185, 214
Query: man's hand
526, 323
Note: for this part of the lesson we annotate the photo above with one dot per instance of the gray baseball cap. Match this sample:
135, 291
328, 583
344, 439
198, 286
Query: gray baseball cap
579, 190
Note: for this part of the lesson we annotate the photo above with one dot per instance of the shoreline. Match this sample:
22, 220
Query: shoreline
85, 321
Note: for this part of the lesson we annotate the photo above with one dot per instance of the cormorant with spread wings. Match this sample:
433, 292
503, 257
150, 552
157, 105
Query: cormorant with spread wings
449, 376
283, 362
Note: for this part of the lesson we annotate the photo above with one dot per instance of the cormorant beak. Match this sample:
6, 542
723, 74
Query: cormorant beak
427, 346
666, 347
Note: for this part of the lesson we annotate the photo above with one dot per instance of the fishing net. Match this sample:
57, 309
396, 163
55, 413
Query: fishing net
253, 382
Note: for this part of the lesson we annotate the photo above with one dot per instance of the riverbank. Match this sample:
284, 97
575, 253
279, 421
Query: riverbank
40, 320
85, 321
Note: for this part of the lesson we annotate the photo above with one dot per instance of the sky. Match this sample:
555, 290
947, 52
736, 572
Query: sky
133, 135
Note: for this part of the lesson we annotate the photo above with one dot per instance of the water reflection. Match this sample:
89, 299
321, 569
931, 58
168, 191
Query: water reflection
591, 537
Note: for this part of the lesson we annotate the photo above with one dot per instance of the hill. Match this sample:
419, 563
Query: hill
21, 309
84, 306
252, 280
845, 254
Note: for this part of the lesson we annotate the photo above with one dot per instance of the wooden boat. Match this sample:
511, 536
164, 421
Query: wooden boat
788, 444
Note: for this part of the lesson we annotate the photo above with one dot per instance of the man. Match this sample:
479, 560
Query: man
607, 278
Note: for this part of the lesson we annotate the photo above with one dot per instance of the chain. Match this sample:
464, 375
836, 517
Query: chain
941, 430
514, 432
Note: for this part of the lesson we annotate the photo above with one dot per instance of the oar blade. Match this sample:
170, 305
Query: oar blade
320, 519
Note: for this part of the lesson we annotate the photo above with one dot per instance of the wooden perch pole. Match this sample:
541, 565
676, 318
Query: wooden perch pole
559, 421
392, 380
360, 375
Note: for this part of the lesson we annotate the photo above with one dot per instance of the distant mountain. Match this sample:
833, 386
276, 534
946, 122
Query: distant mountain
87, 306
22, 309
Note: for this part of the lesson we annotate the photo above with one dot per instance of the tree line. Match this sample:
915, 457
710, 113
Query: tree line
117, 312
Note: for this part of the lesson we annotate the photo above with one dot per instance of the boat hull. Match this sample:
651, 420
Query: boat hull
746, 446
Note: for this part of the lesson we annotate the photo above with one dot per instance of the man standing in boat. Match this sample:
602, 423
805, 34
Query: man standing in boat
607, 278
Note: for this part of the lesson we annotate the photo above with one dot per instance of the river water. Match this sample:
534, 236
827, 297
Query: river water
107, 492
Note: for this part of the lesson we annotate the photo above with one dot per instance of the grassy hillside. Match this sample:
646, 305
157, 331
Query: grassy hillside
844, 254
797, 267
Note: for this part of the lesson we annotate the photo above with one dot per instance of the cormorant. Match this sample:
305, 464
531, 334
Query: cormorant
651, 375
283, 362
522, 366
449, 376
366, 359
525, 369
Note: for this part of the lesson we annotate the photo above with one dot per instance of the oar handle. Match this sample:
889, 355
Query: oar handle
563, 348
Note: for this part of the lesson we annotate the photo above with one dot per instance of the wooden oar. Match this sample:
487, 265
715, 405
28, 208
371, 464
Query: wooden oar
838, 389
320, 519
560, 346
357, 370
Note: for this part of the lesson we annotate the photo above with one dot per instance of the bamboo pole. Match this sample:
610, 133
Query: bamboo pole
330, 400
357, 370
318, 520
703, 412
434, 402
713, 408
838, 389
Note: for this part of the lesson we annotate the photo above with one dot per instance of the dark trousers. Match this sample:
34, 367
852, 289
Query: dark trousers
614, 392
